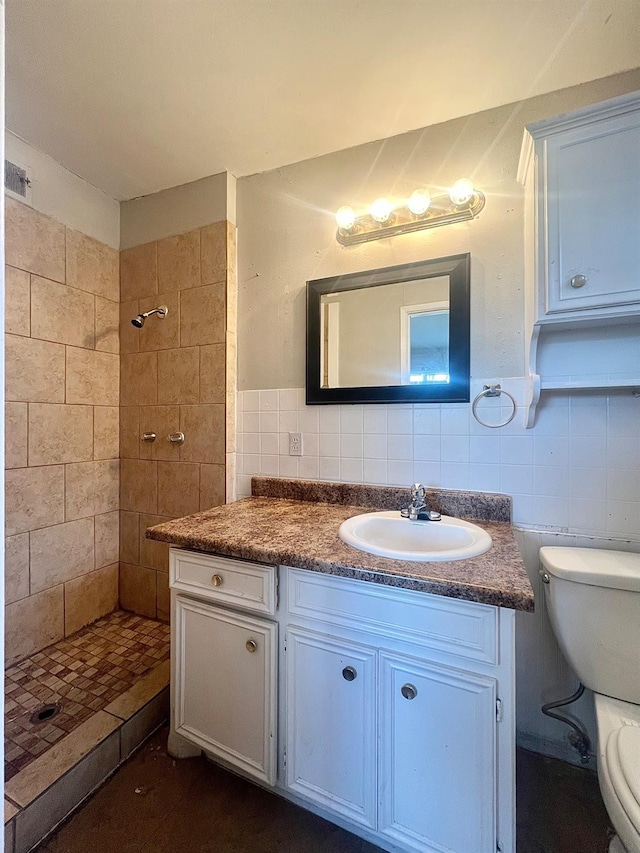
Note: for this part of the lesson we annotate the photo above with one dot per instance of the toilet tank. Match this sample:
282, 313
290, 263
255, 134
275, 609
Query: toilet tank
593, 601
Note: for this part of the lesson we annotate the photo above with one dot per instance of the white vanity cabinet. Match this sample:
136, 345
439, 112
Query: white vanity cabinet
395, 713
395, 708
224, 663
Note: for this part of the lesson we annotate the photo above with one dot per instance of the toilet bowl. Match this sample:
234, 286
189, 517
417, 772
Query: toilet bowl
593, 601
619, 767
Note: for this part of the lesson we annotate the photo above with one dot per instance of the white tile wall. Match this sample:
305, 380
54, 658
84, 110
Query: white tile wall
577, 470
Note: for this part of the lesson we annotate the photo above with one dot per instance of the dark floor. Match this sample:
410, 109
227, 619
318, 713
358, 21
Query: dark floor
154, 804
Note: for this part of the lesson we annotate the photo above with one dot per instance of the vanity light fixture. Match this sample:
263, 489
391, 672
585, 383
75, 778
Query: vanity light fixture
420, 211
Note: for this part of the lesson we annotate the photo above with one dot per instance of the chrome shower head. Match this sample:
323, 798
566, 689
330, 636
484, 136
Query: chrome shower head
138, 321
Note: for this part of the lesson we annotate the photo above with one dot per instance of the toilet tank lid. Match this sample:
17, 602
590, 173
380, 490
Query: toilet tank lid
614, 569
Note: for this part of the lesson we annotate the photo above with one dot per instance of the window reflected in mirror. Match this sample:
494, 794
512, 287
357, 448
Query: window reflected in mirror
424, 343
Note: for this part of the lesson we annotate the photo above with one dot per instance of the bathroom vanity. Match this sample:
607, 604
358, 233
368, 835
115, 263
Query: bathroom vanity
375, 692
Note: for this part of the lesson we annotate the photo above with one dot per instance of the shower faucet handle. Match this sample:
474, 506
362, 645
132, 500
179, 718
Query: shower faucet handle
176, 438
148, 436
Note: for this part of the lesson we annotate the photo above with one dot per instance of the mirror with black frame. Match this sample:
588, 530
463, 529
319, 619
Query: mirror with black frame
393, 335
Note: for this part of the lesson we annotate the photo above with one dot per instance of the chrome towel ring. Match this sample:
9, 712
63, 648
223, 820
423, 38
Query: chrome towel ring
493, 391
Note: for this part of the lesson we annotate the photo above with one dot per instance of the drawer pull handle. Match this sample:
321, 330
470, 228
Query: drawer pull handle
408, 691
251, 646
349, 673
578, 281
216, 580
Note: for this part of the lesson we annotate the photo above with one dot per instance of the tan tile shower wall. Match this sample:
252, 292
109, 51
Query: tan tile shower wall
62, 393
177, 374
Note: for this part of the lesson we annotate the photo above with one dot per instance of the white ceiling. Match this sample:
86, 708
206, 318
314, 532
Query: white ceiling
139, 95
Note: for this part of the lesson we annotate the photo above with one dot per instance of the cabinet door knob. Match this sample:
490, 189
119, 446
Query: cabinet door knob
408, 691
251, 646
349, 673
216, 580
578, 281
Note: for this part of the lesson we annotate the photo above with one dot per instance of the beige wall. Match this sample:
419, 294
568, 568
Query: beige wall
177, 210
59, 193
174, 378
287, 227
62, 294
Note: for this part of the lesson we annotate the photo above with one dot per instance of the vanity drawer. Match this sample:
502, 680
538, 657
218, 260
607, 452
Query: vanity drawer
236, 583
460, 628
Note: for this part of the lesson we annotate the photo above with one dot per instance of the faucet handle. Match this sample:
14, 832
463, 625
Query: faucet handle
418, 491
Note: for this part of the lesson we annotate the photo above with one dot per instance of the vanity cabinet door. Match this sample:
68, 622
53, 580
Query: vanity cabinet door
225, 685
593, 205
331, 724
438, 757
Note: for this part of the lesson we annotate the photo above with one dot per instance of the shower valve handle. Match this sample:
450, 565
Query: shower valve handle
176, 438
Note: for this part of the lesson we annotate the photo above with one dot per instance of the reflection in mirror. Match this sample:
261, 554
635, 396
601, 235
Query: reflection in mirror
385, 335
400, 333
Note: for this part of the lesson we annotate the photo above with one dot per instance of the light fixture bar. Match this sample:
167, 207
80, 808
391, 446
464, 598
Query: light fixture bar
441, 211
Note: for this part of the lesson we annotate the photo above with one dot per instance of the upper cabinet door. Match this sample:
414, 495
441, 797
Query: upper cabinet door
593, 208
581, 173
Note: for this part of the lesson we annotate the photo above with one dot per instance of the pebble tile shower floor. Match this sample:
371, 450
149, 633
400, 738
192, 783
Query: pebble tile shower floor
82, 674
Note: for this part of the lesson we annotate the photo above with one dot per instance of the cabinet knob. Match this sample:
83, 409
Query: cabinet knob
216, 580
578, 281
408, 691
251, 646
349, 673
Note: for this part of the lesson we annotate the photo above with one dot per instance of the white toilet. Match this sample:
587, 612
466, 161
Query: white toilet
593, 600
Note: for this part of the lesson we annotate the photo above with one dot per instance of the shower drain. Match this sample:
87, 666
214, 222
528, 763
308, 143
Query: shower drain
45, 713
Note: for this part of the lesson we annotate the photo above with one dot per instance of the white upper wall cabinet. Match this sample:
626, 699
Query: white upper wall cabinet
581, 173
586, 172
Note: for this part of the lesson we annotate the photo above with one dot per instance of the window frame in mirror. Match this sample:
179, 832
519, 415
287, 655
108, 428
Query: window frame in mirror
458, 269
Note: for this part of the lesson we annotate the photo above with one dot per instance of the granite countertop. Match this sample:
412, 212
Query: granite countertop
302, 531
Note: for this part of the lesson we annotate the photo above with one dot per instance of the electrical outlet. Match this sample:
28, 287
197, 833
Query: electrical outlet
295, 444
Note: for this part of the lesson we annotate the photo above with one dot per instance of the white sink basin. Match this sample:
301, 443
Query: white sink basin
387, 534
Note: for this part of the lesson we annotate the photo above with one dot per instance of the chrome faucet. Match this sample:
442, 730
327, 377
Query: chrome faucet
417, 509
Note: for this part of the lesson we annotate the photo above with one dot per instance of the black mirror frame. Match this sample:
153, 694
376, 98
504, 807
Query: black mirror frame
457, 267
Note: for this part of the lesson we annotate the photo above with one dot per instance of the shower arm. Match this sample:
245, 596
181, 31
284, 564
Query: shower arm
161, 311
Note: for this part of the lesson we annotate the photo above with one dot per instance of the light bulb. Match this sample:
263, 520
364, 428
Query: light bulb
419, 202
380, 210
345, 217
461, 192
